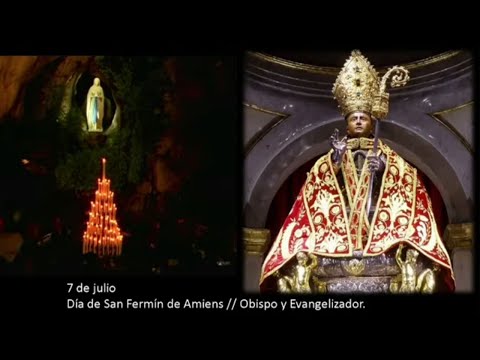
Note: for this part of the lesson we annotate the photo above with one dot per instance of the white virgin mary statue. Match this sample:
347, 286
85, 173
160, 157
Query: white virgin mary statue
95, 106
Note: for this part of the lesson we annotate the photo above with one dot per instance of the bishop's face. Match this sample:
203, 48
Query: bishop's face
359, 124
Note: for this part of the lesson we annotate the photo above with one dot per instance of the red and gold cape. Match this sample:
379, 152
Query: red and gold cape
318, 222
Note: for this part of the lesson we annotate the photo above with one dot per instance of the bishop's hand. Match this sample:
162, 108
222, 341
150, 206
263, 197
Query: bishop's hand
375, 164
339, 148
338, 145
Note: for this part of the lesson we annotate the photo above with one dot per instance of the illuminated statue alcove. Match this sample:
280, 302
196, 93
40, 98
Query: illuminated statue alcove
95, 98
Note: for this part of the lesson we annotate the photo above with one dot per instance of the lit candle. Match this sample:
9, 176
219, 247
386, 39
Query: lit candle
103, 163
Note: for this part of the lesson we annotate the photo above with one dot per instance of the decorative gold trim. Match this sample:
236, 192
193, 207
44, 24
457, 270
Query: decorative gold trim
459, 236
271, 112
327, 70
324, 70
455, 108
279, 117
429, 61
255, 240
438, 116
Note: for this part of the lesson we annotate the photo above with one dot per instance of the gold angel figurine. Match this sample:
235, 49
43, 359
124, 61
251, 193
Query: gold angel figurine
299, 281
408, 282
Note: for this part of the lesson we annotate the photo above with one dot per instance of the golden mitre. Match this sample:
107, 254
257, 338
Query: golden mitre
359, 88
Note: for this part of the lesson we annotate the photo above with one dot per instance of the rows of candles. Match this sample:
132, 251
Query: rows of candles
103, 236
